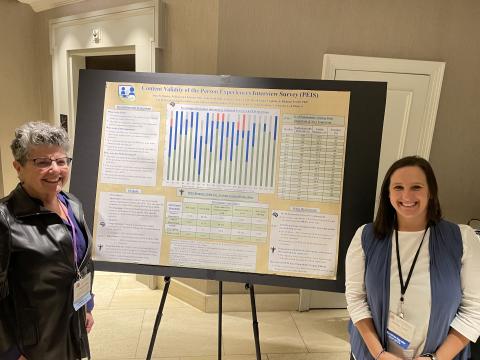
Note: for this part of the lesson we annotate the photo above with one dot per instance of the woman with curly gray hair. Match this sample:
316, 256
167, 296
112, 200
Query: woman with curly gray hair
46, 270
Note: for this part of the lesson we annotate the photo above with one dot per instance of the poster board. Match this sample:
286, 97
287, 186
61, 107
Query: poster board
219, 177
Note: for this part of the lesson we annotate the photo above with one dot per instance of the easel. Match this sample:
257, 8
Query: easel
220, 295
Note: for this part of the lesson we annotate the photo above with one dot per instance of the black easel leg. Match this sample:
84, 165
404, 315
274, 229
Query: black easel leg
255, 322
159, 316
220, 295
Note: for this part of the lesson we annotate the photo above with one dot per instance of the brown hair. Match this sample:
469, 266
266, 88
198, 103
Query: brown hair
385, 219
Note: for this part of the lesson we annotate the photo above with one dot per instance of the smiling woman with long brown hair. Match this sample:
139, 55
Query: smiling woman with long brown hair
412, 277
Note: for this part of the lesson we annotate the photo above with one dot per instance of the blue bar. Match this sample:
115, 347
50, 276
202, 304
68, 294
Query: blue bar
253, 135
206, 131
275, 129
238, 135
264, 127
196, 135
228, 126
211, 137
181, 122
186, 124
221, 140
248, 142
191, 120
170, 141
175, 142
200, 156
231, 141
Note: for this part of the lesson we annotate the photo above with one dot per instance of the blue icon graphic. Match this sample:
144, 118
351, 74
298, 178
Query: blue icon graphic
126, 91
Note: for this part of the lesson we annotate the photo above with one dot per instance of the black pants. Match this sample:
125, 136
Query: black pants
12, 354
475, 348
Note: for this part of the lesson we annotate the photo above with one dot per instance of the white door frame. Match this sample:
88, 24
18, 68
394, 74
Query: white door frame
131, 29
434, 70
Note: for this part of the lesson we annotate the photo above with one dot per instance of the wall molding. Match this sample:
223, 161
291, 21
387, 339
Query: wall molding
42, 5
230, 302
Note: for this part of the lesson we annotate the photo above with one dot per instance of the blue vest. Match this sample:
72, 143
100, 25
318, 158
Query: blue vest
446, 250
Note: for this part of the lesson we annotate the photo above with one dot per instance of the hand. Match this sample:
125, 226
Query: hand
89, 321
422, 358
22, 357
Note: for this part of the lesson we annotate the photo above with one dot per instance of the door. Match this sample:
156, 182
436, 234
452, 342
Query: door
413, 94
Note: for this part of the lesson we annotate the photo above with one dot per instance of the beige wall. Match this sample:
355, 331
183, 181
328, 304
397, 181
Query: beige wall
19, 85
191, 37
280, 38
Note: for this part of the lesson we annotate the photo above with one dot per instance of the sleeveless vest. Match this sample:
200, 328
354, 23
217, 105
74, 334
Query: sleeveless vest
446, 250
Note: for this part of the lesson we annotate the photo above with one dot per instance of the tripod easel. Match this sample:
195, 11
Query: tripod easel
256, 335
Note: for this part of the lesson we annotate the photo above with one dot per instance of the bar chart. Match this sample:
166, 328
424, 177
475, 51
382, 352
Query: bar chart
224, 147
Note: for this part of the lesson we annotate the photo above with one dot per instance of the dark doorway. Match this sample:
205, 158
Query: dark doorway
111, 62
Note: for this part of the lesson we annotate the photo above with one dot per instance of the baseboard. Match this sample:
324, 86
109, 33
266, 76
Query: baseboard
149, 280
232, 302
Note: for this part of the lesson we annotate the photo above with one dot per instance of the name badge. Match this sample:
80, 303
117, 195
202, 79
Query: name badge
81, 291
400, 331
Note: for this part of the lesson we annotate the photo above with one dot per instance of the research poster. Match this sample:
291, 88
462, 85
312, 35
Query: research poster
227, 178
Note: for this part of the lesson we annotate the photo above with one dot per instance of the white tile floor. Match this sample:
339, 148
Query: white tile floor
125, 312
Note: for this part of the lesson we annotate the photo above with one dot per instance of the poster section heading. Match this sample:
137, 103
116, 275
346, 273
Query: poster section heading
239, 179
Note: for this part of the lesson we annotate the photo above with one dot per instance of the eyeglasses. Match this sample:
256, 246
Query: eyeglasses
44, 163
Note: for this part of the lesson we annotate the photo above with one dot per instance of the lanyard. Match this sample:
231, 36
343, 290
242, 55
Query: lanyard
74, 235
403, 287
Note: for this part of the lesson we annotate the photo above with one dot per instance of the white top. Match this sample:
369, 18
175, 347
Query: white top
417, 299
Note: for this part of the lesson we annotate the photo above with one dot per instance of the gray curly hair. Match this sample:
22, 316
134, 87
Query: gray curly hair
37, 133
